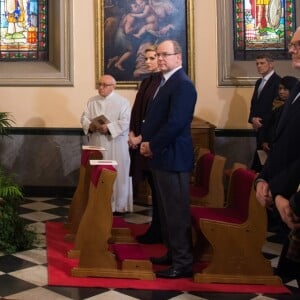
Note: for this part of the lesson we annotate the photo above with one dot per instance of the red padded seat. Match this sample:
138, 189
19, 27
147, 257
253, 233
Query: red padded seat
237, 210
203, 169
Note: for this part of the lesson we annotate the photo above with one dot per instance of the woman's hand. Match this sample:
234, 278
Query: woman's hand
134, 141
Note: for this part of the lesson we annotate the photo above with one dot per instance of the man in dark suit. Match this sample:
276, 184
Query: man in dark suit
283, 159
265, 91
167, 141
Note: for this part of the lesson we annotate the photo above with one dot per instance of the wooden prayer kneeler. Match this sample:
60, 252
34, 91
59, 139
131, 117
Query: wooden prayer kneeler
95, 257
80, 197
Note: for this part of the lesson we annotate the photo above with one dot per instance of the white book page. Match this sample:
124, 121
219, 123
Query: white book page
88, 147
103, 162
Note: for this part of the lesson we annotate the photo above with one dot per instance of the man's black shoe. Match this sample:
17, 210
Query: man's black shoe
149, 239
172, 273
163, 260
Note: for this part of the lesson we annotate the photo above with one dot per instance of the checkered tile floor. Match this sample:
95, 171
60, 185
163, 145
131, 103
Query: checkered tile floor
23, 275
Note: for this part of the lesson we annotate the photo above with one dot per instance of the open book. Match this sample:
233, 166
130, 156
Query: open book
100, 120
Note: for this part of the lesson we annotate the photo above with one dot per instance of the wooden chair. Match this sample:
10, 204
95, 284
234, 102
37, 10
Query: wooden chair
95, 257
80, 197
208, 187
236, 235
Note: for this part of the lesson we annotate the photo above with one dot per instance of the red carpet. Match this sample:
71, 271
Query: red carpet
59, 267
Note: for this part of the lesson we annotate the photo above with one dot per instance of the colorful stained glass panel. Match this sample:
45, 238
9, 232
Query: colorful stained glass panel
263, 25
24, 34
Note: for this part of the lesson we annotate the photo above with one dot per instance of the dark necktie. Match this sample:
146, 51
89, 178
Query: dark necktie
162, 82
157, 83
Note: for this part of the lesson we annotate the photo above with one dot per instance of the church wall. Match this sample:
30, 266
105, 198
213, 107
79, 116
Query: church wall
44, 148
61, 107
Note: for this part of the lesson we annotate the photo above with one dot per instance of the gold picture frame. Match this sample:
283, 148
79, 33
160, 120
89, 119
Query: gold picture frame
114, 41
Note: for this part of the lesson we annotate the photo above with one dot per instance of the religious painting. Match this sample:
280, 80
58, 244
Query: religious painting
263, 25
125, 28
23, 35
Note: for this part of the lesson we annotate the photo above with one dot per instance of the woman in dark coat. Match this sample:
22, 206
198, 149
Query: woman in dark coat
139, 169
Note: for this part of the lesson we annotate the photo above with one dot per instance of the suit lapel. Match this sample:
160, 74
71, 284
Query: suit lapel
267, 85
290, 109
165, 86
150, 90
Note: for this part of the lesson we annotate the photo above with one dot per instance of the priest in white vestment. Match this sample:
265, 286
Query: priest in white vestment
113, 136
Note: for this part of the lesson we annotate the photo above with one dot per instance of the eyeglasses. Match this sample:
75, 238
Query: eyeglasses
165, 55
104, 85
295, 45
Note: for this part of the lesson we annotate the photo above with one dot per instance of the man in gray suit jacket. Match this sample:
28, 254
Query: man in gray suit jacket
167, 141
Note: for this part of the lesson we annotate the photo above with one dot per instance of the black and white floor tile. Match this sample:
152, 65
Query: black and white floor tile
23, 275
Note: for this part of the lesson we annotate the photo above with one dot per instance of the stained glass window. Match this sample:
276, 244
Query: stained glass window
263, 25
24, 34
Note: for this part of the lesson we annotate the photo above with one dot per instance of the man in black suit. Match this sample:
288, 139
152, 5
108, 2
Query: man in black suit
283, 159
283, 186
168, 143
265, 91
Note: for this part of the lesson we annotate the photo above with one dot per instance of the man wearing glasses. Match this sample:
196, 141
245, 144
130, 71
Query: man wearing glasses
280, 178
167, 142
112, 134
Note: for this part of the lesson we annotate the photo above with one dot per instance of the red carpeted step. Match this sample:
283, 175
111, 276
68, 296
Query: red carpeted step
59, 266
119, 222
129, 251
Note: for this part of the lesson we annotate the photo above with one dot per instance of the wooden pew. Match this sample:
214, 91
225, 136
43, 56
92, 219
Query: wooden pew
227, 175
236, 235
208, 187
